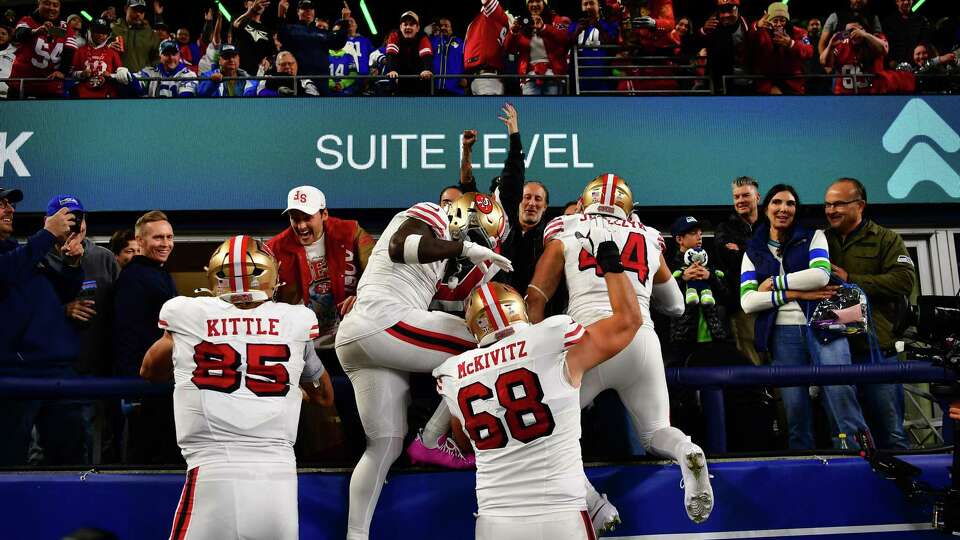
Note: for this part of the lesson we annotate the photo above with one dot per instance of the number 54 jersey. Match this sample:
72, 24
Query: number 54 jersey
523, 418
640, 248
236, 375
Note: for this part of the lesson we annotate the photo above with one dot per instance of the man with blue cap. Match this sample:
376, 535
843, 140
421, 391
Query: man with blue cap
178, 79
35, 339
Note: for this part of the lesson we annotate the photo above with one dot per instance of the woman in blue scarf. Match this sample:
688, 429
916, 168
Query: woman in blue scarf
784, 274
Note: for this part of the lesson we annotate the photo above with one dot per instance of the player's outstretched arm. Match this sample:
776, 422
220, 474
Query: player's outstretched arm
546, 279
606, 337
415, 243
321, 393
158, 362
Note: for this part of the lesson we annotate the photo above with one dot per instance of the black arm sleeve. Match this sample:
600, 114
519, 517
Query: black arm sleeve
337, 39
512, 179
21, 34
66, 61
469, 185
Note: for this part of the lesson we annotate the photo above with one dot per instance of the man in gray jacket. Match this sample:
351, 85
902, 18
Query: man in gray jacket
88, 312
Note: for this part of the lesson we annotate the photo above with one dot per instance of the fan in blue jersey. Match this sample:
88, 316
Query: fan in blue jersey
229, 66
179, 79
447, 58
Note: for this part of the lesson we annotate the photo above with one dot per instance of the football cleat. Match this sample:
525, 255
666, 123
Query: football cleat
446, 454
698, 494
604, 515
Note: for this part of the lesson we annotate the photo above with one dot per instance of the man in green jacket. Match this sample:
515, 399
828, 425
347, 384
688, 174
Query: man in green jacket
876, 259
139, 42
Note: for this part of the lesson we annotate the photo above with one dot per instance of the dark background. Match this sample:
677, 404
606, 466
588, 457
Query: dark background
386, 13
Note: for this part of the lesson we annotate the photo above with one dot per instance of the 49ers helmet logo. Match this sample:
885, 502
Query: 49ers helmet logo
483, 203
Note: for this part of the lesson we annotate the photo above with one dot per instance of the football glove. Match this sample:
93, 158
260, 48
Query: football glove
123, 75
477, 254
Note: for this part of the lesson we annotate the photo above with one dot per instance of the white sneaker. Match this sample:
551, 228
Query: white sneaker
698, 495
604, 515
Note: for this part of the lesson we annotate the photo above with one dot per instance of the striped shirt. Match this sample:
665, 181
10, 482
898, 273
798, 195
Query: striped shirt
815, 276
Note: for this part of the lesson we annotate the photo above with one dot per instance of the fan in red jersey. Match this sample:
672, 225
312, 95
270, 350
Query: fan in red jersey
44, 44
95, 62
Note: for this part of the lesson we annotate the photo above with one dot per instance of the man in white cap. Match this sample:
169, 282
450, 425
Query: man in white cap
321, 259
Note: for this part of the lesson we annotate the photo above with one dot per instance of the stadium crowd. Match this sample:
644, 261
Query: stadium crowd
608, 47
78, 310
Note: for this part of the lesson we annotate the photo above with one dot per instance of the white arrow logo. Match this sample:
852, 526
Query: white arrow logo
9, 153
922, 163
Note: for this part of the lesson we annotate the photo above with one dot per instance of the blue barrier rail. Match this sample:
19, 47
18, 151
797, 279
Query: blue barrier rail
710, 380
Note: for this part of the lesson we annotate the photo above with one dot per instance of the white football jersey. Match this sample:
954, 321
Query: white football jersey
236, 375
523, 418
387, 289
640, 247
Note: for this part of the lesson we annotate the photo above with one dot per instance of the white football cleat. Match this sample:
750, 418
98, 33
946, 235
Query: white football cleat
698, 494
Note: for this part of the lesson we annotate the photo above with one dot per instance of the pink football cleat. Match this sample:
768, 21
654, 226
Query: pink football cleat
446, 454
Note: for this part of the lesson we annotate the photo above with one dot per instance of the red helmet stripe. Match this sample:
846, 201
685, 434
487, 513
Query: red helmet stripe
236, 264
609, 189
245, 276
495, 313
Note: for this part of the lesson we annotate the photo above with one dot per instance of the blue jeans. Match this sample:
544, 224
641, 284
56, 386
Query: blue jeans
798, 346
546, 88
883, 407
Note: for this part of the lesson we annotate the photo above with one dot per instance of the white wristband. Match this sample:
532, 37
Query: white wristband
411, 249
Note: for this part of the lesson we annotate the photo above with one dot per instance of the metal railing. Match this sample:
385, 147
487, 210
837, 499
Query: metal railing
564, 80
712, 381
679, 65
677, 71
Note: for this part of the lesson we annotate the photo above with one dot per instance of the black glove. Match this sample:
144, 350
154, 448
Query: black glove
608, 258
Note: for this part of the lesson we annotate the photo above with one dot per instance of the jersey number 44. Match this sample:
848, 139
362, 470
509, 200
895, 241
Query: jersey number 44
633, 255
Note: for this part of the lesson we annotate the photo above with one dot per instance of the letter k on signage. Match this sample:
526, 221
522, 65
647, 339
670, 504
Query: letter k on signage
8, 153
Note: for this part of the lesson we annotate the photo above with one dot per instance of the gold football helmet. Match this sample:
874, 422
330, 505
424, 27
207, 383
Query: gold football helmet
243, 270
476, 217
492, 309
608, 194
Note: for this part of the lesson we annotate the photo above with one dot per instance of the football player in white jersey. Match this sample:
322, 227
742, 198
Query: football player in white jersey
389, 333
517, 397
236, 360
637, 373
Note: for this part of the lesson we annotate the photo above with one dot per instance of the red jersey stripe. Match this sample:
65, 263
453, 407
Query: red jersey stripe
438, 335
421, 344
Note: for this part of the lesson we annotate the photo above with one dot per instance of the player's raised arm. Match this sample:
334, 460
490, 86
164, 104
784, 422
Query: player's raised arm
158, 362
606, 337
